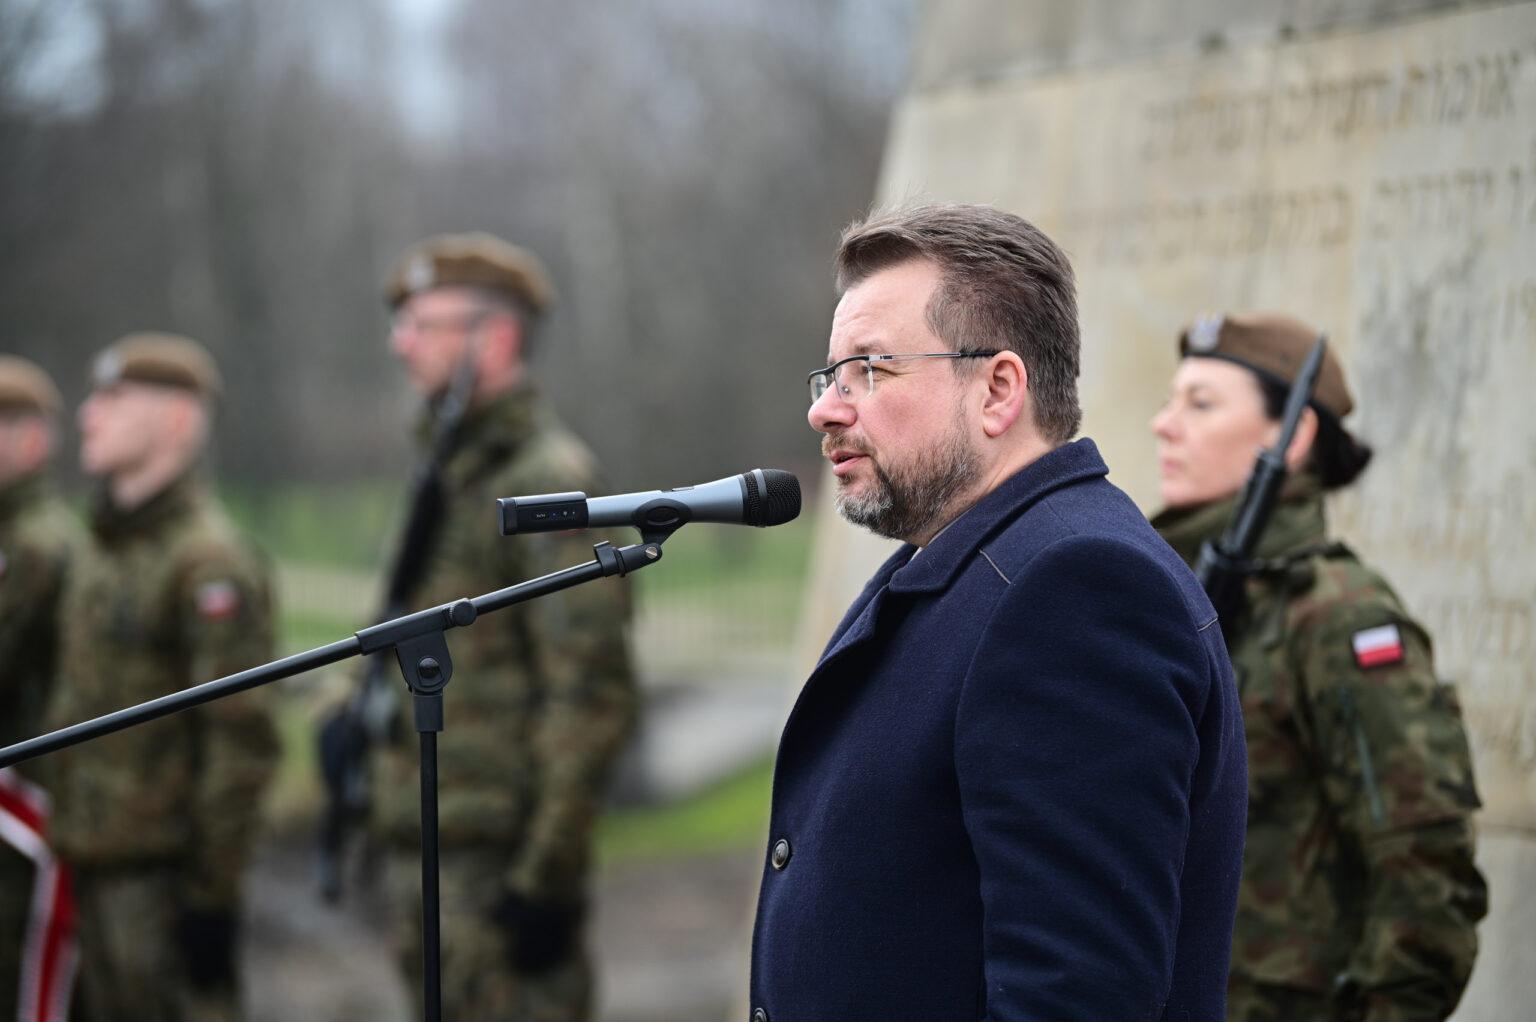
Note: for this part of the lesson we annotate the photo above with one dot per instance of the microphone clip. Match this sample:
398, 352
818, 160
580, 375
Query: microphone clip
657, 519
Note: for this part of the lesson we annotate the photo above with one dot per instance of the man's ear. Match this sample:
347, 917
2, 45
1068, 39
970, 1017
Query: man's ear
184, 417
501, 344
1007, 393
1301, 442
37, 439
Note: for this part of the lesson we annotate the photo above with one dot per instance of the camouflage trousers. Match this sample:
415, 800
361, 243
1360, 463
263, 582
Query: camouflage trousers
131, 965
478, 982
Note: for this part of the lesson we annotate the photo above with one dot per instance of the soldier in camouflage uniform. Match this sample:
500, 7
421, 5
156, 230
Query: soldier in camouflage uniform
543, 694
37, 535
158, 820
1359, 897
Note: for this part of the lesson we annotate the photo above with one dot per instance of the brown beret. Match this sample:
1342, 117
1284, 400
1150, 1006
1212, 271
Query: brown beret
473, 260
1270, 345
25, 388
166, 359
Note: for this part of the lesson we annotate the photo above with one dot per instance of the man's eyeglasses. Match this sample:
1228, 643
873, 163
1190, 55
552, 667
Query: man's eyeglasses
850, 389
404, 322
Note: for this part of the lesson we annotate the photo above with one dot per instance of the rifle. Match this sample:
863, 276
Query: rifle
366, 717
1222, 565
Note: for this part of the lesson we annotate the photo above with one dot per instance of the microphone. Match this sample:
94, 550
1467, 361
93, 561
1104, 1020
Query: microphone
761, 497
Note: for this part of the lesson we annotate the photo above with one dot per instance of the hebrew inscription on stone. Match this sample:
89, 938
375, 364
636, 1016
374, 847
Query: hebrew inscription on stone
1380, 184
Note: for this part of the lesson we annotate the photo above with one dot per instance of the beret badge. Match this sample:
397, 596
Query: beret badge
418, 273
109, 368
1205, 333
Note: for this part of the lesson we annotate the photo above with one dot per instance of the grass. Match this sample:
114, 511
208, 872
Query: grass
340, 531
342, 523
301, 632
295, 796
730, 816
718, 580
350, 524
704, 555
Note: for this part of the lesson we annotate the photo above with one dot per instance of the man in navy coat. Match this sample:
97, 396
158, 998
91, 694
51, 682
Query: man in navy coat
1015, 785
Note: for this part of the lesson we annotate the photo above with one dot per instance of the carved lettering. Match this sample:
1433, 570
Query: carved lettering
1449, 203
1237, 225
1306, 109
1522, 191
1382, 185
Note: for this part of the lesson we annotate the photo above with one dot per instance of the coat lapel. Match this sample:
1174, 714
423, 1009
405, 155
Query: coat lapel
859, 622
957, 545
907, 573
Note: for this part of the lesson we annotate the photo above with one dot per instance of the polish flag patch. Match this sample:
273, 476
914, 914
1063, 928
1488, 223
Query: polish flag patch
218, 600
1376, 646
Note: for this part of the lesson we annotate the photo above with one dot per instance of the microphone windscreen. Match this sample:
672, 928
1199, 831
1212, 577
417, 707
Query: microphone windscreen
781, 497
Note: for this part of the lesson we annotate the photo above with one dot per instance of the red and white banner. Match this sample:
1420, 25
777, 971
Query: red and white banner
49, 953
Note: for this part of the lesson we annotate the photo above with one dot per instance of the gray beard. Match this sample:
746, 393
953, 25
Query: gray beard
915, 500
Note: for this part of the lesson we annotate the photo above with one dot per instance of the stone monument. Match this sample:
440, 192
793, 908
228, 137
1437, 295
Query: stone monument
1367, 166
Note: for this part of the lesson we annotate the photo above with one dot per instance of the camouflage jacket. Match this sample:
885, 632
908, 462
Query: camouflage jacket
1359, 895
37, 535
168, 596
542, 695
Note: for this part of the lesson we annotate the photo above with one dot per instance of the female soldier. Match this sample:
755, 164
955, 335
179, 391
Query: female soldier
1359, 896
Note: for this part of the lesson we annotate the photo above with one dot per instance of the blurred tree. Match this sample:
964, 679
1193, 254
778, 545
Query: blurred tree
245, 170
698, 161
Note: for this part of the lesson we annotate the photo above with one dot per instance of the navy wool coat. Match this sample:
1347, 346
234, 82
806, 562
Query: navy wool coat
1015, 786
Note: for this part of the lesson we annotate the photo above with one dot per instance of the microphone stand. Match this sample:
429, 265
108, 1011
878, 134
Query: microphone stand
422, 652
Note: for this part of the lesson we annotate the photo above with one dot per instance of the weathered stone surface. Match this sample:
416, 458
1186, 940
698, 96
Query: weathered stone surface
970, 41
1367, 166
1379, 183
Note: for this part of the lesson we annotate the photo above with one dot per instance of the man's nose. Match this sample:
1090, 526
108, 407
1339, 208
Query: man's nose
830, 412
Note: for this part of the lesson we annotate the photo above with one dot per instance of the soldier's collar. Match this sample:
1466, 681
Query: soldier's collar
20, 492
1185, 528
110, 522
507, 418
1298, 521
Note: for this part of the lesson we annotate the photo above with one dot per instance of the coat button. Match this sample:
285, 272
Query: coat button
759, 1015
780, 856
